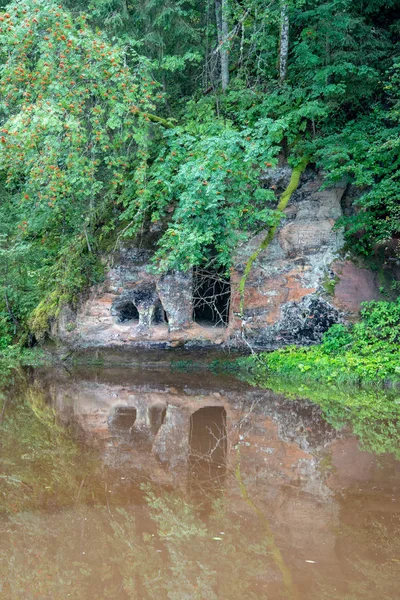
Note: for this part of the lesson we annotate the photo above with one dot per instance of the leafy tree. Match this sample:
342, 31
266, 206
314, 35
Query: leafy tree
170, 34
75, 127
209, 177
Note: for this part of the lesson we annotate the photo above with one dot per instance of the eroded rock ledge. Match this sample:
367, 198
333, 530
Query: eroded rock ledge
298, 287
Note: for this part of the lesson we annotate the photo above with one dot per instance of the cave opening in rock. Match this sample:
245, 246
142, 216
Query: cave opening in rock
160, 316
123, 417
127, 311
211, 298
207, 449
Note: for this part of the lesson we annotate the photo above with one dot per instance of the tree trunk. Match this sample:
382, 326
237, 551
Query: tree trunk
284, 41
10, 312
221, 15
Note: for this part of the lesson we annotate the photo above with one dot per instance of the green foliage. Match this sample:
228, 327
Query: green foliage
329, 284
83, 159
380, 322
74, 270
18, 263
171, 34
71, 111
366, 152
349, 366
336, 339
208, 177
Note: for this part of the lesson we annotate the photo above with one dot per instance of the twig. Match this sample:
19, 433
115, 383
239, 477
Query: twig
3, 410
10, 312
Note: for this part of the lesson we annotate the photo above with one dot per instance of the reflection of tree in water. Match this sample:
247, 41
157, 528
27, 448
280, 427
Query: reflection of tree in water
192, 557
168, 553
42, 466
165, 550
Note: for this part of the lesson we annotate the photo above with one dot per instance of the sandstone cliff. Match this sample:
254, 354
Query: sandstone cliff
298, 287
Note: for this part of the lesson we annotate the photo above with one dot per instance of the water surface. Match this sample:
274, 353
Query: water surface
134, 483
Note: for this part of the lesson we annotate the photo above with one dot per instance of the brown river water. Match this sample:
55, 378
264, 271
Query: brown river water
135, 483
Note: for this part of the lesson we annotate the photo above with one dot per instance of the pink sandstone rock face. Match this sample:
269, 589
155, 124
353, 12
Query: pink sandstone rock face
287, 299
354, 286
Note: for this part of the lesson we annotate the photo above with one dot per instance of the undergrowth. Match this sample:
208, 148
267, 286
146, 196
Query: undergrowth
366, 353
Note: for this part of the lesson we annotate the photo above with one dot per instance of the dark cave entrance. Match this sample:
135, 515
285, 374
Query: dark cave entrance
127, 311
160, 316
211, 298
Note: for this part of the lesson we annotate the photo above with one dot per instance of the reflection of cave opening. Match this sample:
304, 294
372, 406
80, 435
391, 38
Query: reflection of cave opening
127, 312
208, 448
211, 298
124, 417
157, 414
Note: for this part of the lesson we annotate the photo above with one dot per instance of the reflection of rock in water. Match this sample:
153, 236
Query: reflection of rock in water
177, 429
207, 450
276, 469
123, 418
157, 415
137, 424
294, 494
177, 426
194, 431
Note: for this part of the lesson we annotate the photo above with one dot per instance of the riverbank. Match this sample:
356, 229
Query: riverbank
353, 375
12, 361
375, 367
363, 354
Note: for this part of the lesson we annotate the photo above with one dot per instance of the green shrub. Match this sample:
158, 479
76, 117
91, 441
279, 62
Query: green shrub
336, 338
380, 320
